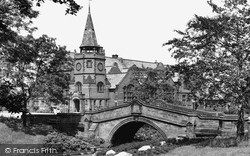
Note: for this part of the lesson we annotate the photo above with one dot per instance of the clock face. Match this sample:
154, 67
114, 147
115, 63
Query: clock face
78, 66
100, 66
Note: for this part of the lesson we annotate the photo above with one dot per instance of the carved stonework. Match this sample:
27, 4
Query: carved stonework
88, 80
136, 109
77, 95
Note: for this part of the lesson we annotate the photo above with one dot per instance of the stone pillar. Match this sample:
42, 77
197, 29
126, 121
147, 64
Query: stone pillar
190, 132
82, 105
88, 105
248, 127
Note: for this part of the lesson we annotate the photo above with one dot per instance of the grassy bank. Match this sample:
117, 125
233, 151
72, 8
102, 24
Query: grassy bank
208, 151
12, 132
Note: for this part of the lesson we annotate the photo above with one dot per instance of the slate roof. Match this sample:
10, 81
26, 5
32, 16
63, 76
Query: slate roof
125, 64
141, 64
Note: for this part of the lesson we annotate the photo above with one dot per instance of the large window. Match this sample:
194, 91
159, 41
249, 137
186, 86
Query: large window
100, 87
78, 86
128, 93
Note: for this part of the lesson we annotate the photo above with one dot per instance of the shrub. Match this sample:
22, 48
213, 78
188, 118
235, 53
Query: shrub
147, 132
158, 150
219, 142
101, 153
223, 142
69, 143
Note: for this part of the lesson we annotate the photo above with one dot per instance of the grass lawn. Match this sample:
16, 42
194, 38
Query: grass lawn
209, 151
12, 132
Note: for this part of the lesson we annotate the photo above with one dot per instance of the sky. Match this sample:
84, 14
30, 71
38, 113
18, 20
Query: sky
132, 29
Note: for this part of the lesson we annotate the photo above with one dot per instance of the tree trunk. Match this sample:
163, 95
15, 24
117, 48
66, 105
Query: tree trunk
24, 115
240, 124
24, 119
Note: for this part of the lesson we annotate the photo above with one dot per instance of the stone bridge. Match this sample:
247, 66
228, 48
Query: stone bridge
119, 124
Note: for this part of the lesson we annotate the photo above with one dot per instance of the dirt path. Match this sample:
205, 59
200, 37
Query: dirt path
208, 151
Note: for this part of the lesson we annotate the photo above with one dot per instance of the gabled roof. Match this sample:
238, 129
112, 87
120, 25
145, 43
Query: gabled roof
89, 37
115, 79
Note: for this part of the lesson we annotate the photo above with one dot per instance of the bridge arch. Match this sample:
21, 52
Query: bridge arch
130, 126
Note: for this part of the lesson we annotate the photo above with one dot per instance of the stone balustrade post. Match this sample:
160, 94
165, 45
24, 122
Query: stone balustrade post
248, 127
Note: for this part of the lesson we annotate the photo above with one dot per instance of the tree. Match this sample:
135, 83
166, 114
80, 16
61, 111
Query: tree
37, 70
37, 64
16, 15
153, 84
72, 6
213, 55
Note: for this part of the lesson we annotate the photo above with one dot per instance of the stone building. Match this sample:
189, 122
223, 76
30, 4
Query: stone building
98, 81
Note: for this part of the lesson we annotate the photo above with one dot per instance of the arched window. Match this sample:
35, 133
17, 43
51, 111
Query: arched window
128, 93
78, 86
100, 87
77, 105
115, 64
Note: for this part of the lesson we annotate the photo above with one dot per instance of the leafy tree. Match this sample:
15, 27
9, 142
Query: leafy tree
214, 55
37, 65
72, 6
37, 70
153, 84
16, 15
11, 98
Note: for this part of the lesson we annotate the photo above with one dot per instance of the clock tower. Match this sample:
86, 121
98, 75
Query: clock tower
91, 84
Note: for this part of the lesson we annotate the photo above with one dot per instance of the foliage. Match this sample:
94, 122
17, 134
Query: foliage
134, 146
69, 143
73, 144
37, 69
15, 15
72, 6
219, 142
153, 84
35, 65
147, 132
214, 55
35, 129
231, 111
11, 99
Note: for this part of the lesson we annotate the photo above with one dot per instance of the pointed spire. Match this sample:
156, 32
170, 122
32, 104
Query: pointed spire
89, 37
89, 7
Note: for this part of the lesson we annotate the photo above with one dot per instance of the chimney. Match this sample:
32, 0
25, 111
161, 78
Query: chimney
115, 56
